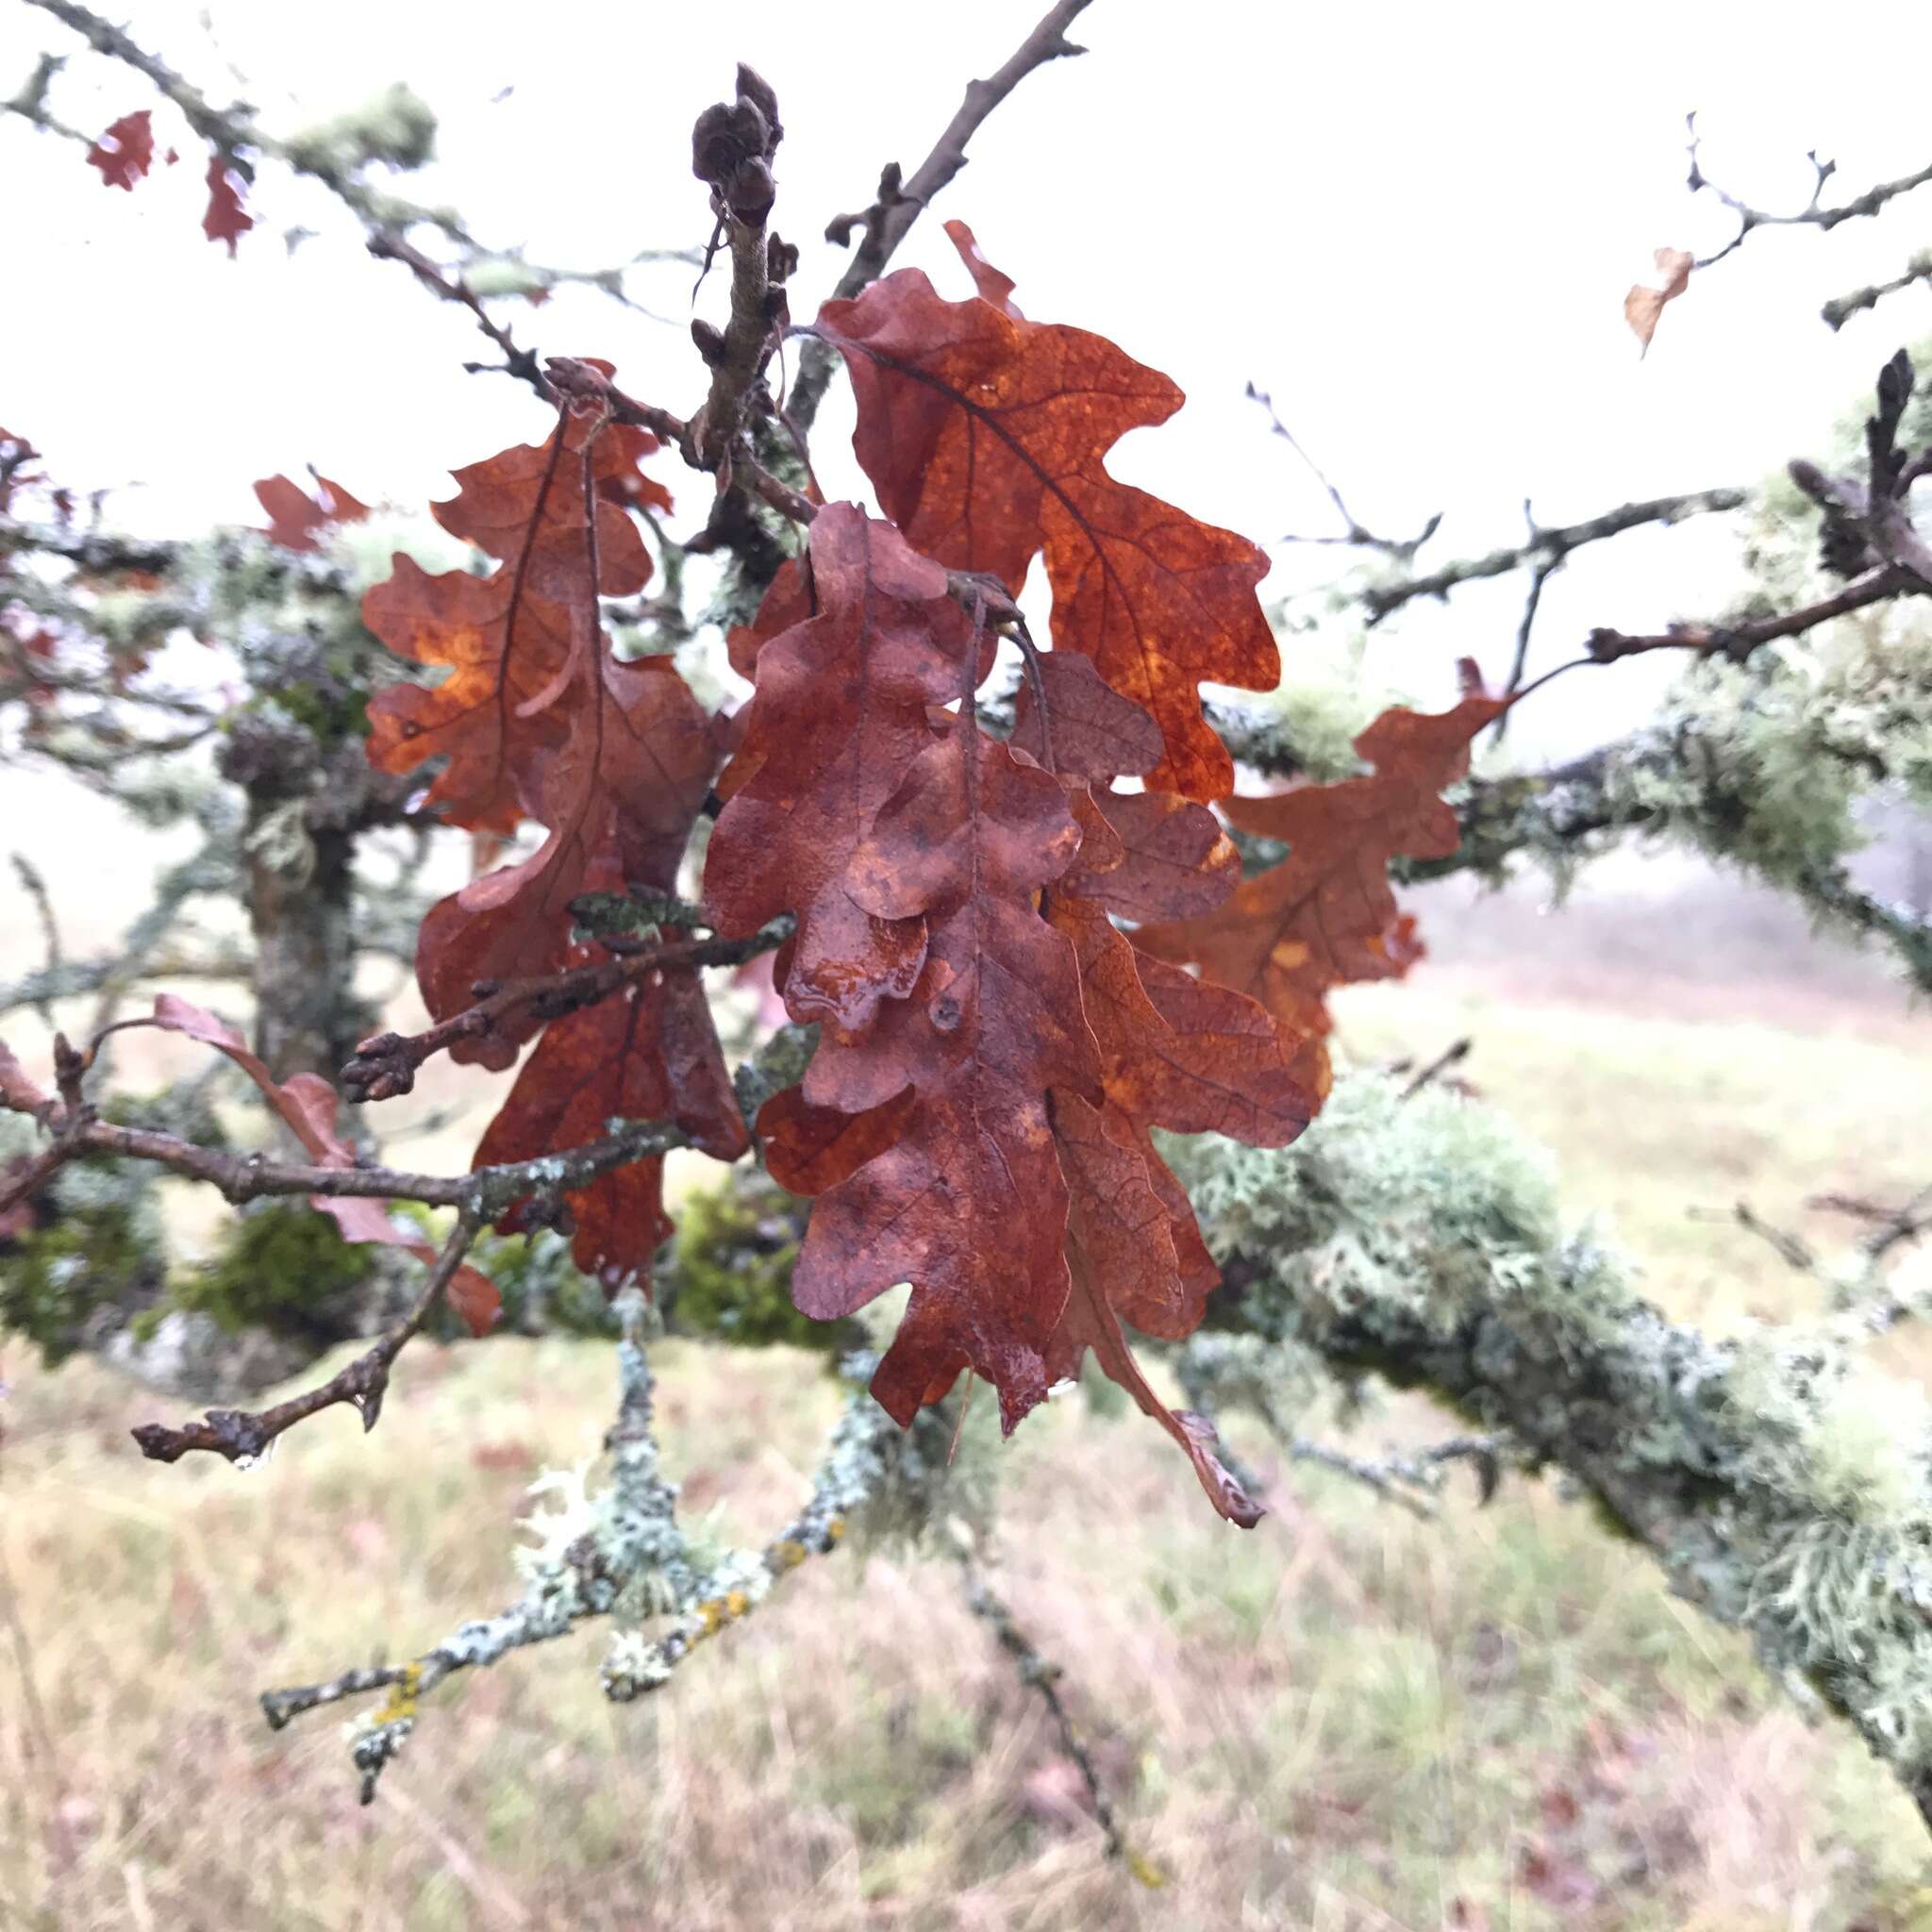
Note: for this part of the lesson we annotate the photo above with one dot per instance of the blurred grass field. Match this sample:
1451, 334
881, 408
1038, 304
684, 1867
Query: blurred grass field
1349, 1719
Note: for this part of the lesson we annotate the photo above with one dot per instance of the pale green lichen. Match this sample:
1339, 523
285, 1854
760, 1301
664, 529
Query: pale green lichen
1327, 697
1782, 1483
396, 128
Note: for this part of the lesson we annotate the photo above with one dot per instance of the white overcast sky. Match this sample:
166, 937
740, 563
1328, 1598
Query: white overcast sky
1414, 223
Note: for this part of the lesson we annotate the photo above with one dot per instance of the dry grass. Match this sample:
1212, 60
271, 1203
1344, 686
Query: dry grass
1345, 1720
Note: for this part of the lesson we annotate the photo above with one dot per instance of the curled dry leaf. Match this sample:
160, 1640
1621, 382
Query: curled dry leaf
841, 715
1643, 305
977, 1121
536, 717
306, 1104
649, 1054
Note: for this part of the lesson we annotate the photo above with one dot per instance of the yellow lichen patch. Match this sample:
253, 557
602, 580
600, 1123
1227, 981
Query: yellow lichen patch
402, 1698
719, 1610
787, 1554
835, 1529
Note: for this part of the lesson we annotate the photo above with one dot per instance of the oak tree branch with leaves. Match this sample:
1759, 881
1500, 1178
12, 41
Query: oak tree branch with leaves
1053, 921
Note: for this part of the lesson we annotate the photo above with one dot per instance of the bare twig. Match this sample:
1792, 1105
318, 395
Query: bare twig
1358, 536
897, 208
1795, 1254
244, 1437
1812, 215
1547, 544
384, 1065
1453, 1055
386, 244
36, 889
1840, 311
1040, 1673
1891, 1225
1737, 641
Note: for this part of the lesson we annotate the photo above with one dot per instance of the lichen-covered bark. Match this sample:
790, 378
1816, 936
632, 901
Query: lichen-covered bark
305, 802
1780, 1481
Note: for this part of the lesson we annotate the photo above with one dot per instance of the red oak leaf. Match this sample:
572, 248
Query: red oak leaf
537, 719
307, 1104
842, 711
969, 1205
984, 434
977, 1118
649, 1054
294, 516
1326, 915
127, 151
226, 220
993, 286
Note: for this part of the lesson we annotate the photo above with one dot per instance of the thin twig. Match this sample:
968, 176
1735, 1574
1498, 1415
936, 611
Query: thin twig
36, 889
1040, 1673
243, 1437
1547, 543
1812, 215
1453, 1055
1358, 535
1841, 310
1737, 641
895, 209
384, 1065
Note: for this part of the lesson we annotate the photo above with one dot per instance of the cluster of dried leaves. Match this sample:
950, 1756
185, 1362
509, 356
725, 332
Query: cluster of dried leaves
126, 152
993, 935
989, 934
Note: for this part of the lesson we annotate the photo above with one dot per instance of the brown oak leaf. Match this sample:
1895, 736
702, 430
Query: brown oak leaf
1326, 915
294, 516
984, 434
649, 1054
227, 219
839, 715
1643, 306
969, 1203
307, 1105
127, 151
537, 719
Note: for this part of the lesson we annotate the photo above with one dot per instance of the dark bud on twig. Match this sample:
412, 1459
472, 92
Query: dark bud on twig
1895, 385
781, 259
726, 138
751, 191
731, 149
755, 87
839, 229
709, 341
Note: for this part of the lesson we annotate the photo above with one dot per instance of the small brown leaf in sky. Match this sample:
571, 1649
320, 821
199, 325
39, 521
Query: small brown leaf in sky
1643, 304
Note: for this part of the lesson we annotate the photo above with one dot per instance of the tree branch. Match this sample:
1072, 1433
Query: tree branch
1812, 215
895, 208
244, 1437
1738, 1466
1837, 313
1548, 544
1737, 641
1358, 536
620, 1553
384, 1065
